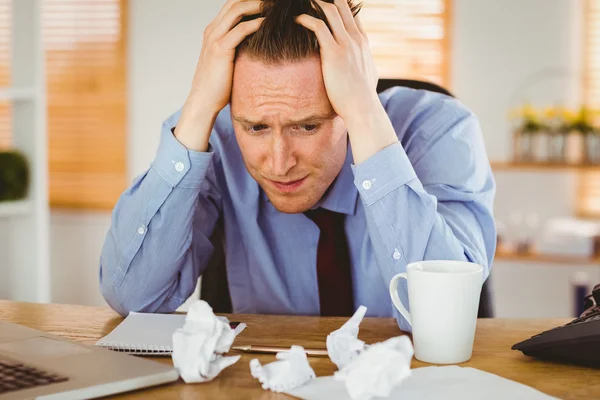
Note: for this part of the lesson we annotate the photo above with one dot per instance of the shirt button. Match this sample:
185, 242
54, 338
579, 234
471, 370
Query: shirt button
179, 166
367, 185
141, 230
397, 254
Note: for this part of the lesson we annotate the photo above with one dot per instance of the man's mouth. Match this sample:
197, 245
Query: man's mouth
287, 186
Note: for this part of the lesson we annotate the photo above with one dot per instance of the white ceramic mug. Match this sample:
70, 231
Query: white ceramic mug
444, 299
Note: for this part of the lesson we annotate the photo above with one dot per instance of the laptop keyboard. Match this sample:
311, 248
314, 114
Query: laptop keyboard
16, 376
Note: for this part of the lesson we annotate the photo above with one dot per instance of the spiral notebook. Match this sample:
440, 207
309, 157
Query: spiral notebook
148, 334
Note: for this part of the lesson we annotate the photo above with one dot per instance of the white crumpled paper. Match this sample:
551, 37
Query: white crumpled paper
378, 369
291, 371
343, 345
365, 371
199, 345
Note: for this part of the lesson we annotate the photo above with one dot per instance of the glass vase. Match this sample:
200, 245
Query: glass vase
523, 147
575, 147
541, 146
592, 148
556, 148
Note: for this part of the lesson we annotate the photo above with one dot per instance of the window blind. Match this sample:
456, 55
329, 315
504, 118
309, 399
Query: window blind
409, 38
5, 52
588, 201
592, 54
86, 87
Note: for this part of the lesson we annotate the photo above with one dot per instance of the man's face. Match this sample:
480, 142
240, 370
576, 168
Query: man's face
292, 142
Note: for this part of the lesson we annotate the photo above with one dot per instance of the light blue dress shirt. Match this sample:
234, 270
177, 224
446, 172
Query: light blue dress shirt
430, 196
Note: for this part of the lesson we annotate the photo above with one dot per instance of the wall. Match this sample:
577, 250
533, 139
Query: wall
497, 47
165, 43
506, 53
4, 259
75, 243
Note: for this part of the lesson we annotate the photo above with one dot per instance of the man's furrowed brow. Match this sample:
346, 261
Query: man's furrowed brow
314, 118
245, 121
304, 120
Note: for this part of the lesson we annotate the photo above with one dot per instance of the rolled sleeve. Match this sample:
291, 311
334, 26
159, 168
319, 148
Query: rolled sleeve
177, 165
383, 173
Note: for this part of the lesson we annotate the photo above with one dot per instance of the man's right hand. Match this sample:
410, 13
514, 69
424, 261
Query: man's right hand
211, 86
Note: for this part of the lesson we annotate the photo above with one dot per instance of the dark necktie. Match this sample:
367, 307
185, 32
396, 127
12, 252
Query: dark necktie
333, 264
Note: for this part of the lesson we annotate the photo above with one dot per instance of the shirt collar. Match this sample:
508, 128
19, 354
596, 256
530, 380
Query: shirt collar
342, 195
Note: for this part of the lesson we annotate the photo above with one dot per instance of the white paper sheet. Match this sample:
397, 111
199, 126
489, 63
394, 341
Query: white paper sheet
146, 331
447, 382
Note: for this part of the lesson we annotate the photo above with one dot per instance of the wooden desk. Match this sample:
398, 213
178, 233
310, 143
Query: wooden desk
491, 352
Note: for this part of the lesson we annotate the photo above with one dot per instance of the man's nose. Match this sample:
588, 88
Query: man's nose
282, 155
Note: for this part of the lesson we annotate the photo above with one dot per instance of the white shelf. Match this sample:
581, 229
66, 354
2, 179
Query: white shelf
26, 251
17, 94
15, 208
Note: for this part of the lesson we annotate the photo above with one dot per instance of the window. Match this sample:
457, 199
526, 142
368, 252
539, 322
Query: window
86, 82
588, 202
85, 72
5, 50
592, 54
409, 38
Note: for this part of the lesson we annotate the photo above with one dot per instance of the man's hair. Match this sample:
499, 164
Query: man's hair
281, 38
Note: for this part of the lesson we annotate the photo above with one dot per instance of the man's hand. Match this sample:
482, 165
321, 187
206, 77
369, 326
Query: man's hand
349, 72
350, 78
211, 86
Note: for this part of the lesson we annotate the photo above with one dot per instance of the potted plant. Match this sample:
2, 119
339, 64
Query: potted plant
559, 124
583, 124
574, 146
14, 176
555, 134
527, 125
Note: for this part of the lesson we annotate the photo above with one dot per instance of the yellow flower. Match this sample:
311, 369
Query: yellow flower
529, 112
552, 112
569, 116
514, 113
526, 112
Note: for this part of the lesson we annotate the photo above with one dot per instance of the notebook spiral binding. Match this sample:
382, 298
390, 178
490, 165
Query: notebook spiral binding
140, 350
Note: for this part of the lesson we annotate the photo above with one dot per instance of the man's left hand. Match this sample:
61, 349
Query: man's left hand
349, 71
350, 78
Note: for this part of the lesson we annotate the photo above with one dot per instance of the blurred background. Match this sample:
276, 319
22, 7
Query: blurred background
86, 84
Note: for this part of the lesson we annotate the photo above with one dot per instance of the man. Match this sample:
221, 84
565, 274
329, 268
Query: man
325, 190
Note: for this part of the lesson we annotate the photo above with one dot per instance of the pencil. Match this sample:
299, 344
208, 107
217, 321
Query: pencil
276, 349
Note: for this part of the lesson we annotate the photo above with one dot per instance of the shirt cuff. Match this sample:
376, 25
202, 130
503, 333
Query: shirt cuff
383, 173
179, 166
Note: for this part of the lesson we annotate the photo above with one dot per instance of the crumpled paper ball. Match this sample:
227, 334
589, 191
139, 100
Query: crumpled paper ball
343, 345
291, 371
378, 369
199, 345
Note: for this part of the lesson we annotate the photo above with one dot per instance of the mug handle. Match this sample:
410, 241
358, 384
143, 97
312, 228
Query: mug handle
396, 299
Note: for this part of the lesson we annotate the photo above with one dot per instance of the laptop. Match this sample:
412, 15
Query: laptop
37, 365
